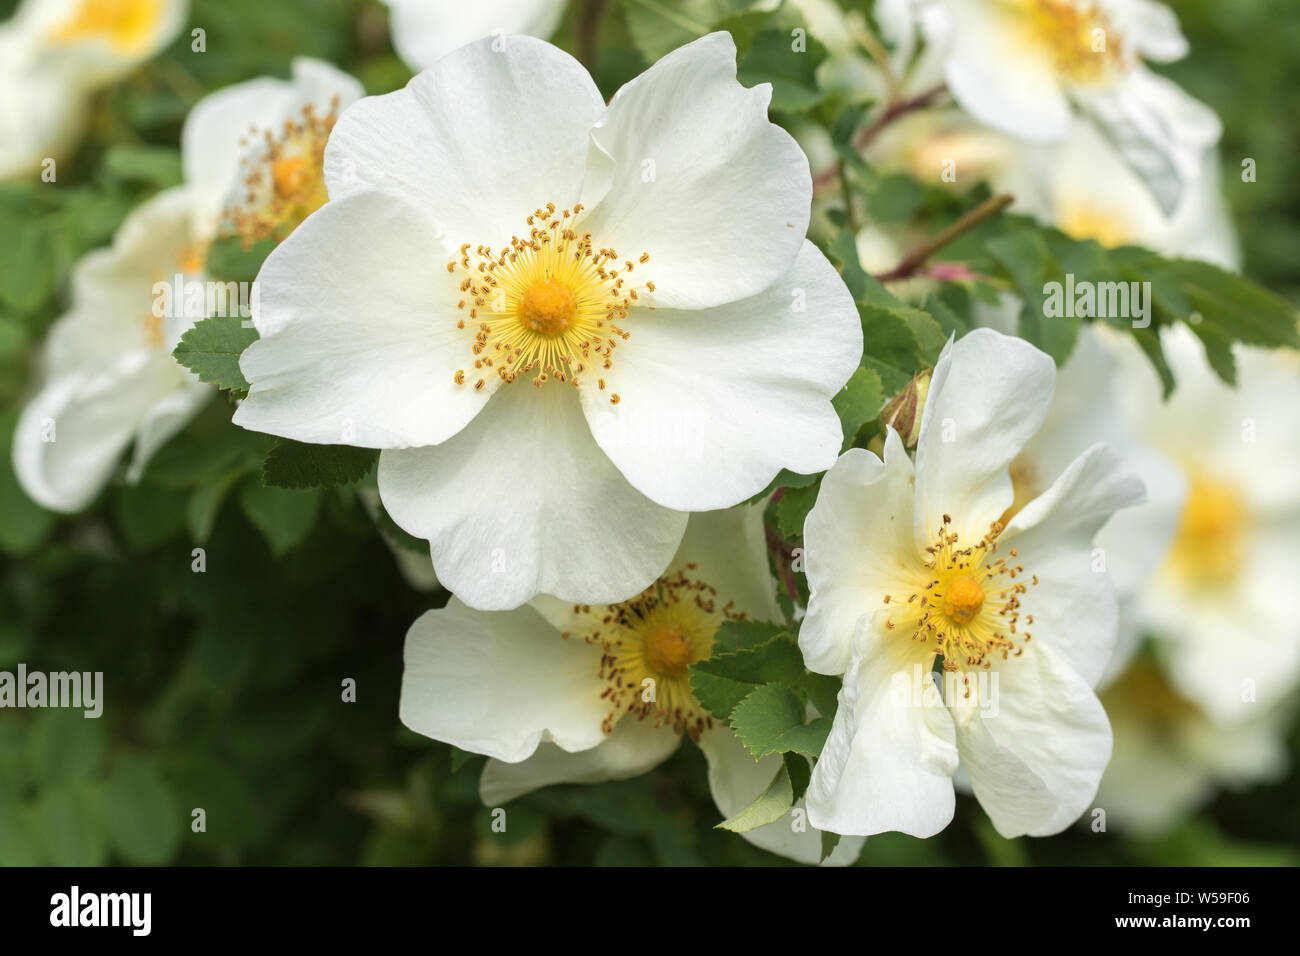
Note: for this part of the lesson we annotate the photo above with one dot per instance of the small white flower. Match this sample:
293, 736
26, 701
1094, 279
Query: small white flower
548, 407
907, 565
110, 378
1222, 607
1025, 66
555, 693
55, 53
424, 31
1170, 756
252, 155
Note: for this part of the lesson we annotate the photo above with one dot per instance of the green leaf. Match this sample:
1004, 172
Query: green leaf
792, 510
772, 804
26, 524
69, 828
211, 350
765, 715
156, 165
843, 251
800, 773
724, 680
859, 402
889, 347
744, 634
1028, 261
775, 58
229, 260
829, 842
292, 464
141, 815
65, 745
205, 502
284, 517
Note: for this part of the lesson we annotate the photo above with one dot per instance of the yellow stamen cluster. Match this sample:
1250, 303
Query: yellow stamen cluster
649, 644
969, 608
127, 25
549, 306
1078, 35
1210, 542
284, 180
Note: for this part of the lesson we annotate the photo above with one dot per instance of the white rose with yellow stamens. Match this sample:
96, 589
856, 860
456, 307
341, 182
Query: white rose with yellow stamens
565, 324
909, 566
557, 693
1025, 66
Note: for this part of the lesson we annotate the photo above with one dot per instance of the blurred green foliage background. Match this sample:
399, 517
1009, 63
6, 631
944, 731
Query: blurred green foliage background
223, 689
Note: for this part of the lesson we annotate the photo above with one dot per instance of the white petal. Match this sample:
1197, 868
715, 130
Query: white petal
858, 548
1002, 79
736, 780
713, 405
1160, 130
424, 31
479, 140
989, 394
500, 683
889, 760
634, 747
359, 344
1036, 755
686, 167
165, 419
93, 416
1073, 603
523, 501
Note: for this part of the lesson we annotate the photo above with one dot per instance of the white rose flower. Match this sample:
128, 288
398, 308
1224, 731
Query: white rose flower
1239, 451
109, 375
555, 693
55, 53
1025, 66
252, 155
424, 31
662, 339
909, 565
1170, 755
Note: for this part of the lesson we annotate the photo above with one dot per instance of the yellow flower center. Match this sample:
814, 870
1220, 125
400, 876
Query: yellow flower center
1210, 542
126, 24
1084, 220
284, 180
549, 306
969, 606
1076, 33
649, 644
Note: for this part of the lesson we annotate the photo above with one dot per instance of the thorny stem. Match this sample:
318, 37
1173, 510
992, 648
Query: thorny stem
915, 259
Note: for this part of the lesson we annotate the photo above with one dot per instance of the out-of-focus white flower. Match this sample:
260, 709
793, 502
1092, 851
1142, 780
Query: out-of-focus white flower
549, 409
1170, 756
1027, 66
55, 53
252, 155
911, 565
555, 693
110, 378
424, 31
1222, 607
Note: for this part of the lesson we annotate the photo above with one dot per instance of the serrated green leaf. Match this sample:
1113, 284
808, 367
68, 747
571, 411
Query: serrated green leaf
292, 464
800, 773
829, 842
724, 680
792, 509
211, 350
744, 634
765, 715
773, 58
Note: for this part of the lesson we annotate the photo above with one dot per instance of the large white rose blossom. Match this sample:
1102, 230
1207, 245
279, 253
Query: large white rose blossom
565, 324
252, 155
909, 565
557, 693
